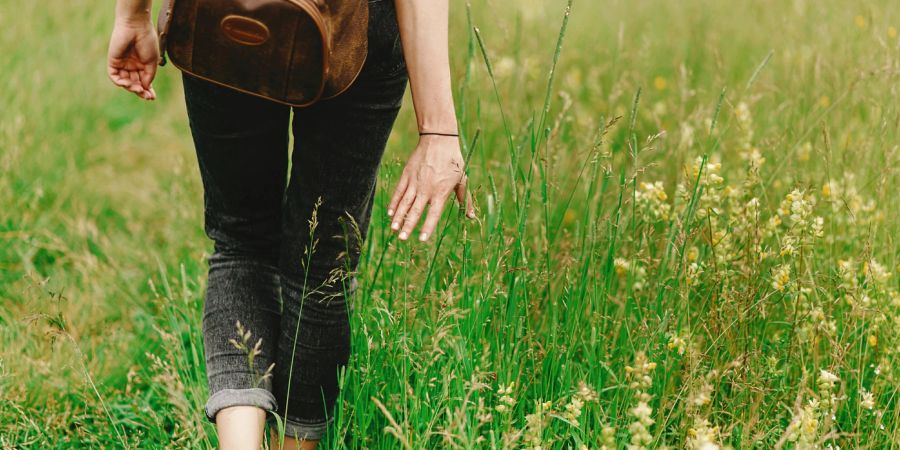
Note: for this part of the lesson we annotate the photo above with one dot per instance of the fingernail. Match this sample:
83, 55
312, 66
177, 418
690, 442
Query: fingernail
403, 235
390, 212
395, 225
423, 236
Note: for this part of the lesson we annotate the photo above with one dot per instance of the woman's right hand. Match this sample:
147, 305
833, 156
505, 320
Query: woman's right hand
133, 56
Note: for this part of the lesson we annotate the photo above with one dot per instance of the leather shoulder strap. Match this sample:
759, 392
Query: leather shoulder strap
163, 21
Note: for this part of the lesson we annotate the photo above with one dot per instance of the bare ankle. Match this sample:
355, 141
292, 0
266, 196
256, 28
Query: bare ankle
291, 443
240, 427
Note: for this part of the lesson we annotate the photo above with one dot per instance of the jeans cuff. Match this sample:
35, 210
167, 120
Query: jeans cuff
239, 397
298, 430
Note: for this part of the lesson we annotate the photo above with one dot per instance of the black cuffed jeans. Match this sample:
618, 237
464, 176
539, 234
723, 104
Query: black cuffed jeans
286, 247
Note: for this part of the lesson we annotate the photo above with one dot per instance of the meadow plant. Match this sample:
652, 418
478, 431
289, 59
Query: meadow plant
686, 238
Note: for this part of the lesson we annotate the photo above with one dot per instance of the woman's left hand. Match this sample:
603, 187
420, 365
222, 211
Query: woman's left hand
133, 55
434, 170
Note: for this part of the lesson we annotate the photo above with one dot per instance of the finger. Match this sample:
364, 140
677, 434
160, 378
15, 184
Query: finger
147, 75
142, 78
148, 94
412, 218
398, 194
434, 215
136, 88
465, 198
460, 190
140, 91
122, 78
113, 74
145, 79
116, 77
121, 82
470, 205
404, 205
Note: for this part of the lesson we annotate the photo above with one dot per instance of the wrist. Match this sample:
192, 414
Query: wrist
440, 142
448, 132
442, 123
134, 20
439, 138
133, 13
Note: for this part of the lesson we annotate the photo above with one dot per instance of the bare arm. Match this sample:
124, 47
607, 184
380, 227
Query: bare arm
435, 169
424, 33
133, 48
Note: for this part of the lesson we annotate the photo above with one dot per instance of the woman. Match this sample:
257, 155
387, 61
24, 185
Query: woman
275, 263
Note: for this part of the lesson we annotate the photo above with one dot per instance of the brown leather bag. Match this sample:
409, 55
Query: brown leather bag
291, 51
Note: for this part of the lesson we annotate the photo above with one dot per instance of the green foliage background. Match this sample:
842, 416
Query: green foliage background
530, 325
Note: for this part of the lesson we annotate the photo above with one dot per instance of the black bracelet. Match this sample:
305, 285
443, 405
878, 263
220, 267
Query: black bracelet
429, 133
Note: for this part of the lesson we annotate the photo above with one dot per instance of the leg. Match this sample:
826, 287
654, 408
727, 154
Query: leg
291, 443
240, 427
338, 148
241, 145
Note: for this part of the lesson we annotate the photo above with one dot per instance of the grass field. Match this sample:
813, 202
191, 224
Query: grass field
687, 237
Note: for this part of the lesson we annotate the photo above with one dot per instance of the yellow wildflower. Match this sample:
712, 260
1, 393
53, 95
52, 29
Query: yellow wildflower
677, 343
660, 83
621, 266
781, 276
693, 254
804, 152
569, 217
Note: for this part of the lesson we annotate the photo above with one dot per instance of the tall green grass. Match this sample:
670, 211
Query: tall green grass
637, 274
